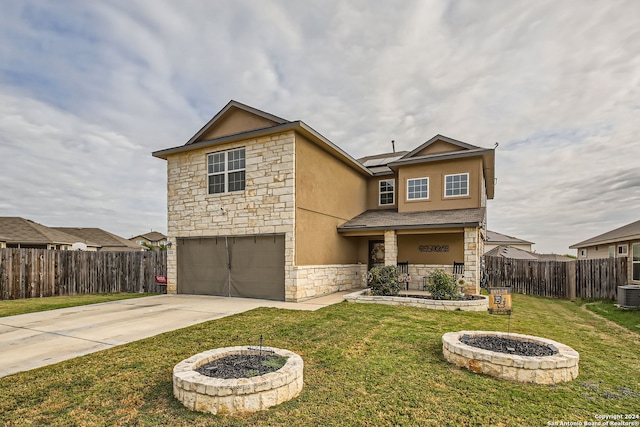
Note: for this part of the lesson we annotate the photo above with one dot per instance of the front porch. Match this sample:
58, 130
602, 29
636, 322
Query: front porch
420, 248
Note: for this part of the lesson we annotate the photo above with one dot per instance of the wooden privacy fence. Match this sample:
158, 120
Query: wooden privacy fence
589, 278
30, 273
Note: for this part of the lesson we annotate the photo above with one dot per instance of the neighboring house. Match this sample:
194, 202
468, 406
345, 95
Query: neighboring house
107, 242
26, 234
263, 207
3, 242
621, 242
495, 239
153, 238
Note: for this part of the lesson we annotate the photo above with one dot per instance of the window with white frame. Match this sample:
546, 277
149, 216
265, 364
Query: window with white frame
417, 188
226, 171
583, 253
456, 185
623, 250
387, 192
612, 251
635, 262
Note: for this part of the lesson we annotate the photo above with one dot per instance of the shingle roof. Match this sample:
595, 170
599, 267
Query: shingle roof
152, 236
510, 252
107, 241
21, 230
388, 219
626, 232
494, 237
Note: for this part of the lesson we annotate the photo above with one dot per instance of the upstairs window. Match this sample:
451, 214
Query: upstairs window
417, 188
226, 171
387, 192
456, 185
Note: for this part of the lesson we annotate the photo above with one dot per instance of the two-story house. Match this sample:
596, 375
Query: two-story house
263, 207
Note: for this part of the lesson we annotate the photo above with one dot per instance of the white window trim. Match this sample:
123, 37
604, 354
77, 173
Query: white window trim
444, 190
226, 172
583, 253
612, 251
409, 199
623, 250
393, 192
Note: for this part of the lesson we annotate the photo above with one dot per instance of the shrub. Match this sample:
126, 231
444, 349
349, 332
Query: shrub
384, 281
442, 285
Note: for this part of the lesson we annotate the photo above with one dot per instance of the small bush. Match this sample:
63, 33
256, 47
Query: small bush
383, 281
442, 285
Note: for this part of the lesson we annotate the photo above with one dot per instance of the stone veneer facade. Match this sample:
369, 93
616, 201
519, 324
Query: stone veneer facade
267, 206
314, 280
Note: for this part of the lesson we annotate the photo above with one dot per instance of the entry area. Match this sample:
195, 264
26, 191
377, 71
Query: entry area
232, 266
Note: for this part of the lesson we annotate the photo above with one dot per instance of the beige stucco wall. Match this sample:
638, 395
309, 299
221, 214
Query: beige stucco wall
437, 147
236, 121
436, 173
266, 206
329, 193
409, 248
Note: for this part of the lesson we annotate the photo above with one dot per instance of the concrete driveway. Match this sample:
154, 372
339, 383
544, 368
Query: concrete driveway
33, 340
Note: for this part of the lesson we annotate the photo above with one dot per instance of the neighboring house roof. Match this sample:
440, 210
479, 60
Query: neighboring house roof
107, 241
511, 252
152, 236
25, 231
626, 232
499, 239
391, 219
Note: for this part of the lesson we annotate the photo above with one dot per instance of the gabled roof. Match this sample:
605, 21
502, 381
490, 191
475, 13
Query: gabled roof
498, 238
624, 233
25, 231
107, 241
462, 145
152, 236
506, 251
229, 107
391, 219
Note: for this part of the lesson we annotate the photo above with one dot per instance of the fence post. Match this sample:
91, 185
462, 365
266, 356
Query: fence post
571, 280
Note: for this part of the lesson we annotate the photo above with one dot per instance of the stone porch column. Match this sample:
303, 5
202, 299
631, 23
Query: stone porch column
390, 247
473, 251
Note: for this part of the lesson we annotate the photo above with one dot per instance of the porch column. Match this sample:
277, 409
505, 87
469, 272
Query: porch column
473, 251
390, 247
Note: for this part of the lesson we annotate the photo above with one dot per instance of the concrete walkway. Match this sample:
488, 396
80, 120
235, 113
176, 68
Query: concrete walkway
29, 341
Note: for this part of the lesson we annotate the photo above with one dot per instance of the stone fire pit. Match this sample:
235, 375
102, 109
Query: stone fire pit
559, 367
235, 396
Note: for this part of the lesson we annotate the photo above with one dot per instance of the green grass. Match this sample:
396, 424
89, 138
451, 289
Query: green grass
627, 317
365, 365
32, 305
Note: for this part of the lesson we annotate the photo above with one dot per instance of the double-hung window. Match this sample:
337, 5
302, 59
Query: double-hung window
387, 192
226, 171
417, 188
635, 262
456, 185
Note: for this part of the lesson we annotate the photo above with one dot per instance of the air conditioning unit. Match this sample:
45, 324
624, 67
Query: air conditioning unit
629, 296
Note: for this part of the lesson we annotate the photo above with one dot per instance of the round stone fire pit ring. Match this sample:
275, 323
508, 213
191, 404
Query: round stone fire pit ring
236, 396
557, 368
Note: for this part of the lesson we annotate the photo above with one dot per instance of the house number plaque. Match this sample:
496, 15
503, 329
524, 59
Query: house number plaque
433, 248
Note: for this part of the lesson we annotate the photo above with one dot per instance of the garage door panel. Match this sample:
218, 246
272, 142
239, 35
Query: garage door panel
257, 267
202, 267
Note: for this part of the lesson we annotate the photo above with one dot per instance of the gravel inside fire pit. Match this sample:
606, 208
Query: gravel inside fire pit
242, 366
509, 346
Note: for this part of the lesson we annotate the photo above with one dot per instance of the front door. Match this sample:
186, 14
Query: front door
376, 253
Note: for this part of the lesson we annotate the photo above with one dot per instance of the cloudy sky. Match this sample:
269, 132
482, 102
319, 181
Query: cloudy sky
89, 89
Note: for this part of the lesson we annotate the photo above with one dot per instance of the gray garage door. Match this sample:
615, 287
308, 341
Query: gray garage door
245, 266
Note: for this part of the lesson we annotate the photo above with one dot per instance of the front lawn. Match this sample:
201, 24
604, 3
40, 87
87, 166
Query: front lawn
365, 365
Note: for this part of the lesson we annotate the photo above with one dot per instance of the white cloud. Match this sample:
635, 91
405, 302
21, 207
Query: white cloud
89, 89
